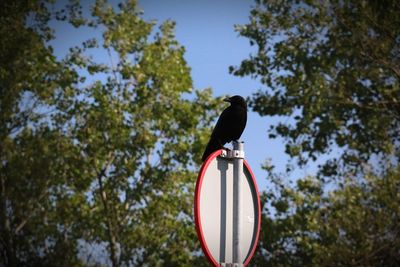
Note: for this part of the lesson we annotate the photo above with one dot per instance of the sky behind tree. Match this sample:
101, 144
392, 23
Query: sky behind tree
207, 31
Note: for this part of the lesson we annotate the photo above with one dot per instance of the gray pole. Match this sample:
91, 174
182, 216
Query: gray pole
238, 155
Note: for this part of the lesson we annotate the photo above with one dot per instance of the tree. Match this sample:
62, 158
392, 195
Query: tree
30, 174
97, 154
354, 225
333, 68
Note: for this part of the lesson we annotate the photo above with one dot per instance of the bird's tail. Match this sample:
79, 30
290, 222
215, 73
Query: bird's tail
212, 146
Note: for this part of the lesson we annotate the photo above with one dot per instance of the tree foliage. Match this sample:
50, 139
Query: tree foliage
331, 70
355, 224
97, 152
333, 67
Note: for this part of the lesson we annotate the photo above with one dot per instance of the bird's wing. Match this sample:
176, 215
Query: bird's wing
222, 127
218, 135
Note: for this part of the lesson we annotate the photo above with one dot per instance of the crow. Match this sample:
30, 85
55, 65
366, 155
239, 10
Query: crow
230, 125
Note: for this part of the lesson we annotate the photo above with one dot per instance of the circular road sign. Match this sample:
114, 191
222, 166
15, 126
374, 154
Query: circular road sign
213, 210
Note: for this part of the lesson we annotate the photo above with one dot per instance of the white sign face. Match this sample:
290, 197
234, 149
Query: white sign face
214, 210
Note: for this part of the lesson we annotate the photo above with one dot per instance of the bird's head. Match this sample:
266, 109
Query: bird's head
236, 100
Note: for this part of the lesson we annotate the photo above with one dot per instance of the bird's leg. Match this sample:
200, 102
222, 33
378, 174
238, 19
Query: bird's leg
225, 148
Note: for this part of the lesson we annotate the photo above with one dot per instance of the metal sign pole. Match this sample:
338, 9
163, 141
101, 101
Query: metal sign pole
238, 155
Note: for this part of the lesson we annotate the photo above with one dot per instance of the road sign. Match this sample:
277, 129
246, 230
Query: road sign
220, 218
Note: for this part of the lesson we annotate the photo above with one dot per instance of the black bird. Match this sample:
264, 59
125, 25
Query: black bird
230, 125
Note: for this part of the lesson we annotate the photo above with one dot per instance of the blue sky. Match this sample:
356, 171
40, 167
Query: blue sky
206, 29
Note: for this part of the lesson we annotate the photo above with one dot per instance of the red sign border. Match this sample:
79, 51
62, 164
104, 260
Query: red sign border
199, 230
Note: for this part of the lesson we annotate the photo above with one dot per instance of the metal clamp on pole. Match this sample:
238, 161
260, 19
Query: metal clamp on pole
237, 152
230, 264
238, 155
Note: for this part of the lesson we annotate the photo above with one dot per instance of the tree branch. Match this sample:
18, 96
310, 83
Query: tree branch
112, 239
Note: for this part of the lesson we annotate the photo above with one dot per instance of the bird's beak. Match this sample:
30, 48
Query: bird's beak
227, 99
